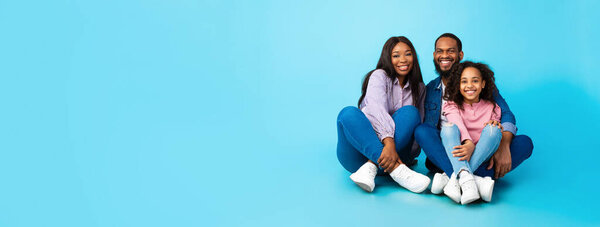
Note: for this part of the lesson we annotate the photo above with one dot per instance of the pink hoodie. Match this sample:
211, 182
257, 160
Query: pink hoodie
470, 120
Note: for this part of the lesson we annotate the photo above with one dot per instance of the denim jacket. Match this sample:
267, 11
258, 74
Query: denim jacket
433, 107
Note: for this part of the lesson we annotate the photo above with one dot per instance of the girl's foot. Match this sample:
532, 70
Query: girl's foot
468, 187
452, 189
485, 185
364, 177
409, 179
439, 182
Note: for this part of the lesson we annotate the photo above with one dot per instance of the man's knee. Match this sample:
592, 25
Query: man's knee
525, 145
424, 131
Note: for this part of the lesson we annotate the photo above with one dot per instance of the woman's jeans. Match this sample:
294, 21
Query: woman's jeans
358, 142
484, 149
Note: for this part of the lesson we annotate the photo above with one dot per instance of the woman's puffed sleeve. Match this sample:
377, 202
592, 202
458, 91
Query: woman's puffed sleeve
375, 105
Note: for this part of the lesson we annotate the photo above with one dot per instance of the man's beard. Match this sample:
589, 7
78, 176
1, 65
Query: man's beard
443, 74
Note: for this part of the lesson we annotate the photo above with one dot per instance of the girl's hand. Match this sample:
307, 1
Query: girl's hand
494, 123
389, 157
464, 151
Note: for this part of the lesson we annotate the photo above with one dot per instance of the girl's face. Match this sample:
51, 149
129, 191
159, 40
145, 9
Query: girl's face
402, 58
471, 84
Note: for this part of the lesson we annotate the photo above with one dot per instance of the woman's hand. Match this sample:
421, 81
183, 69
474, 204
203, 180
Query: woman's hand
494, 123
388, 160
464, 151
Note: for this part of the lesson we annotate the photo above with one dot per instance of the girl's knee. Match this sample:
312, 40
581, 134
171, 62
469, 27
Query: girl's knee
492, 130
449, 128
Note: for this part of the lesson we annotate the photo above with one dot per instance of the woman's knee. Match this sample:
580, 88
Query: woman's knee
407, 112
348, 111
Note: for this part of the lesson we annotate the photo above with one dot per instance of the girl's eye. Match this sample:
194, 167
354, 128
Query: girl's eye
463, 82
408, 54
395, 56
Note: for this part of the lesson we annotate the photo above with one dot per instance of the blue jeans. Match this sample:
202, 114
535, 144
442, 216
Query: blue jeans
358, 142
429, 139
485, 148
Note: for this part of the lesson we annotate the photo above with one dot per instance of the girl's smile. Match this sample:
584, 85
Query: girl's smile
471, 84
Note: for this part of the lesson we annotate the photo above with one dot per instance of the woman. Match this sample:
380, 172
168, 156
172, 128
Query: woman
380, 133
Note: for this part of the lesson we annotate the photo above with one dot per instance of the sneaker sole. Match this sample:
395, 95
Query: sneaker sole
456, 199
469, 199
419, 190
491, 190
363, 186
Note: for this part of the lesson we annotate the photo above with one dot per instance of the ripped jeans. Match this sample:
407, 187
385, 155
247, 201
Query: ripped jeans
484, 149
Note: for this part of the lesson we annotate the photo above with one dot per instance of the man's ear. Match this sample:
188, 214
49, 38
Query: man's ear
460, 55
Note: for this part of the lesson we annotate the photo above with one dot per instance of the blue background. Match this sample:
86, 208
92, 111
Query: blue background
222, 113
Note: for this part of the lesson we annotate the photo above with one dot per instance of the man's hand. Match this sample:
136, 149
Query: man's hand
501, 161
464, 151
388, 160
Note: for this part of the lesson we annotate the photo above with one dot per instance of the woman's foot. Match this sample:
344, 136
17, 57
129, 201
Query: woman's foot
364, 177
440, 180
409, 179
468, 187
452, 189
485, 186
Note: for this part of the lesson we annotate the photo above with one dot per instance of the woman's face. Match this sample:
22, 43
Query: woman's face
471, 84
402, 58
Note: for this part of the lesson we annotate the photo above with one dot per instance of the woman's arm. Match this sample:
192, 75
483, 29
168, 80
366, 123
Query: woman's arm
375, 105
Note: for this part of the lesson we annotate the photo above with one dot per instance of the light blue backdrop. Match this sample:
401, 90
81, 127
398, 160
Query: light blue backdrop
222, 113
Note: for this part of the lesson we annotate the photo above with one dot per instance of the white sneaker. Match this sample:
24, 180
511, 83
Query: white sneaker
485, 185
409, 179
468, 188
452, 189
439, 182
364, 177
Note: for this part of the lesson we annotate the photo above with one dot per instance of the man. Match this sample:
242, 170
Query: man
513, 149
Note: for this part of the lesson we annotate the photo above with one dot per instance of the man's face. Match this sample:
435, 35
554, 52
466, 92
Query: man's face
446, 54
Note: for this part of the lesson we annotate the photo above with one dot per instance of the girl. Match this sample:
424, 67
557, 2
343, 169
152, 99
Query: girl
380, 133
469, 136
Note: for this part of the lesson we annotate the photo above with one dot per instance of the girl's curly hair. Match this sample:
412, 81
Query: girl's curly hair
453, 89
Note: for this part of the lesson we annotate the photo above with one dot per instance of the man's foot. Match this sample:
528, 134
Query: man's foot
468, 188
452, 189
439, 182
409, 179
364, 177
485, 185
